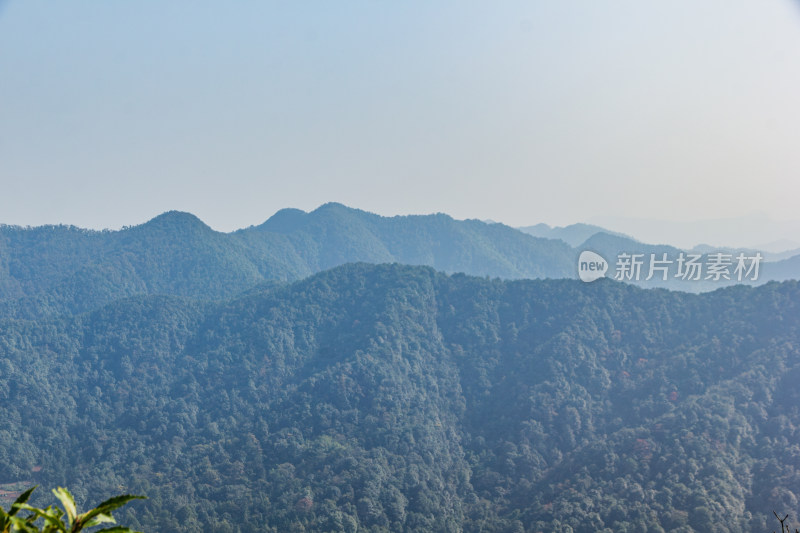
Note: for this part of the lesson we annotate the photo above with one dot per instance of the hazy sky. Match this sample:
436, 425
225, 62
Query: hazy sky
532, 111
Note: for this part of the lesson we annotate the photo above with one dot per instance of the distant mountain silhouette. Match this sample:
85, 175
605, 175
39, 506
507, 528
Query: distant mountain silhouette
574, 234
612, 246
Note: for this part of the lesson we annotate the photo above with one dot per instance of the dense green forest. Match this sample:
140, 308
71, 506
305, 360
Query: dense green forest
396, 398
53, 270
56, 270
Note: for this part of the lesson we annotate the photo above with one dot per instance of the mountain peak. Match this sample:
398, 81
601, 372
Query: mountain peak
333, 205
291, 219
176, 219
285, 220
336, 207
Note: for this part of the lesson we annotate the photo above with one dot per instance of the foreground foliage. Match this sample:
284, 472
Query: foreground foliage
53, 517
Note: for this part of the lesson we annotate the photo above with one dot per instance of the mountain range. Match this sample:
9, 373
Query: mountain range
53, 270
574, 234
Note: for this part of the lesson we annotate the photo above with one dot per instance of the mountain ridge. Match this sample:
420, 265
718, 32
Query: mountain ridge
76, 270
64, 269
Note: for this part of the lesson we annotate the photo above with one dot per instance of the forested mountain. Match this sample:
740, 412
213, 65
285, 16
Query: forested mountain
62, 269
396, 398
53, 270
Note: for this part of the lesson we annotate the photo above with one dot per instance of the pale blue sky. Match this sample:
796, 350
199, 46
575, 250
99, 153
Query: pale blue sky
523, 112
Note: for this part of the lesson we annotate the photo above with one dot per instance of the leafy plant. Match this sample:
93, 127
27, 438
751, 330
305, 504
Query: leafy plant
53, 517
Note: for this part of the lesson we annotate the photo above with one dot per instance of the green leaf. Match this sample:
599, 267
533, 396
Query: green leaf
26, 526
25, 506
117, 529
102, 518
21, 499
118, 501
52, 517
68, 502
109, 505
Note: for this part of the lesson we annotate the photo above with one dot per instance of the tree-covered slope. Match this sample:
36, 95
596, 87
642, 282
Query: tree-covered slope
340, 234
395, 398
55, 270
62, 269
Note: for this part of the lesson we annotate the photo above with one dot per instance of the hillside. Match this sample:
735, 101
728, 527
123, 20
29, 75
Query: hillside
58, 270
396, 398
54, 270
